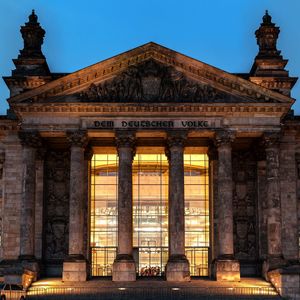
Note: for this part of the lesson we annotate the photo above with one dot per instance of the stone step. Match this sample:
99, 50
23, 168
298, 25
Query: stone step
150, 293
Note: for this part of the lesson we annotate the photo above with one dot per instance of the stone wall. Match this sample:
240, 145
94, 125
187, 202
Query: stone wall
56, 211
245, 211
2, 158
288, 186
12, 174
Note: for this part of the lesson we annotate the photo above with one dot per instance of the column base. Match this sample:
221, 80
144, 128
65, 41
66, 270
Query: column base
227, 270
74, 270
272, 263
124, 268
31, 269
178, 269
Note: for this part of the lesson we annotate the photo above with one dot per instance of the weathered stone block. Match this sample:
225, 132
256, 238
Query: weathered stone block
124, 271
178, 271
75, 271
286, 281
227, 270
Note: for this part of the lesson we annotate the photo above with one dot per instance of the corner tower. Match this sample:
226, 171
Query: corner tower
268, 69
31, 66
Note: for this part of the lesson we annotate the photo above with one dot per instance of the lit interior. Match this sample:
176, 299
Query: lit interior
150, 213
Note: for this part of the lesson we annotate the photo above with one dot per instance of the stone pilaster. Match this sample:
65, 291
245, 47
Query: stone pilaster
75, 267
39, 200
124, 265
177, 268
274, 243
226, 267
288, 184
30, 141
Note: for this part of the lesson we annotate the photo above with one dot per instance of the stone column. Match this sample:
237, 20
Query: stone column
226, 267
30, 141
74, 268
274, 245
178, 268
124, 265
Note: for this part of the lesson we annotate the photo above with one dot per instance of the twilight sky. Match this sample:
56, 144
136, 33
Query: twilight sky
218, 32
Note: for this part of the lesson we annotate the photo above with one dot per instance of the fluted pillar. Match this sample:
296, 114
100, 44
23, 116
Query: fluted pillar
226, 268
124, 265
274, 243
30, 141
74, 268
177, 268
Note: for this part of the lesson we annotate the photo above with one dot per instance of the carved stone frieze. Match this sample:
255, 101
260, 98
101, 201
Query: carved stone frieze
57, 165
30, 139
151, 81
77, 138
244, 205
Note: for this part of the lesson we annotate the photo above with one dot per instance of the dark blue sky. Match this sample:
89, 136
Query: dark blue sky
80, 33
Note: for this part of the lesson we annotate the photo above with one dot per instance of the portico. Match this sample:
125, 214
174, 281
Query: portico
150, 163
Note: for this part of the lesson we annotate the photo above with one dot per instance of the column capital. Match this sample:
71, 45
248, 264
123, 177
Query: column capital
125, 139
271, 139
30, 138
176, 138
224, 137
77, 138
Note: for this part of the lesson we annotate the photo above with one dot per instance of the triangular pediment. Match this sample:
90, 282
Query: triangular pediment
152, 74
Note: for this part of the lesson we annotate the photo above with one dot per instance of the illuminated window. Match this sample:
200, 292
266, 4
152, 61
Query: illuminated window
150, 213
103, 213
196, 191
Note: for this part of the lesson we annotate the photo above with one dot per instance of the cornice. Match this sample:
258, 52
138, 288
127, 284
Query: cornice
198, 70
265, 108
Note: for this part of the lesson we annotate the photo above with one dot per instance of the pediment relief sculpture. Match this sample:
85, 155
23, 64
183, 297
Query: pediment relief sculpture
151, 81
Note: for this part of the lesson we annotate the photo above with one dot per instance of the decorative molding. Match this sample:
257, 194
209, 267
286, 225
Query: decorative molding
148, 108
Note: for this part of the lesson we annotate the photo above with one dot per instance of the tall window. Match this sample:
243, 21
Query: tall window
150, 213
103, 213
196, 191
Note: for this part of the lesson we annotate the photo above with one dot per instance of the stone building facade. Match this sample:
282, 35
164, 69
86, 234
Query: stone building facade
150, 163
